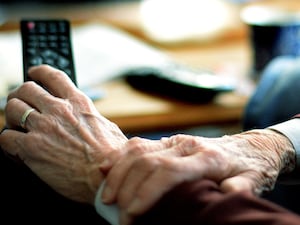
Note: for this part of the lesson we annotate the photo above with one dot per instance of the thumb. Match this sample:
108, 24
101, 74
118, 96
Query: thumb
237, 183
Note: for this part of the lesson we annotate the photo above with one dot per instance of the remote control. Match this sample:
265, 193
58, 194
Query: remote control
47, 42
179, 82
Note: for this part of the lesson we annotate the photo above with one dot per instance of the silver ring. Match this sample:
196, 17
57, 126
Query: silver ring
24, 117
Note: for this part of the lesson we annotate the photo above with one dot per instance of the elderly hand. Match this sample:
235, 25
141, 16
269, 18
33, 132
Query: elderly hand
248, 161
64, 139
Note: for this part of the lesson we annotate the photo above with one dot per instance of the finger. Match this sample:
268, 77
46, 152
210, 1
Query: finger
33, 95
170, 172
125, 218
238, 183
137, 174
115, 178
160, 170
142, 169
10, 142
55, 81
108, 161
118, 172
157, 184
15, 115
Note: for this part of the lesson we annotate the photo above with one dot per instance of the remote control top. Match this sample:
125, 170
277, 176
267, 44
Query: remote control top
178, 82
47, 42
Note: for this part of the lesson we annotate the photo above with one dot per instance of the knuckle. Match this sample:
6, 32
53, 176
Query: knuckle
62, 107
46, 125
135, 140
28, 85
10, 105
135, 146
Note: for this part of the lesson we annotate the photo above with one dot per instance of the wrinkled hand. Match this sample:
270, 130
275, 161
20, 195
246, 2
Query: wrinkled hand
248, 161
65, 138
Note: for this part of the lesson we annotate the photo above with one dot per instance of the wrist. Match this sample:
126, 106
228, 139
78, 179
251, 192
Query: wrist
277, 148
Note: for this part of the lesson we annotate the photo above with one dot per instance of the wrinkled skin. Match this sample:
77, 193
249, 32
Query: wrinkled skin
249, 161
66, 138
70, 146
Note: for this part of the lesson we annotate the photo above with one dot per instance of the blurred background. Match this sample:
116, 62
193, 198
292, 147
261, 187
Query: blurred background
202, 34
235, 39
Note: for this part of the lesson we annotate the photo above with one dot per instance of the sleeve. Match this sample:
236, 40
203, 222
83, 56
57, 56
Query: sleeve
202, 202
291, 129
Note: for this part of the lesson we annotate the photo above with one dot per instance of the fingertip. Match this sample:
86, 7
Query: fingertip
125, 219
106, 196
134, 206
236, 184
8, 141
2, 135
32, 69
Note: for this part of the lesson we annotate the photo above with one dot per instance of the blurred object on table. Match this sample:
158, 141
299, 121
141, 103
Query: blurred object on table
181, 21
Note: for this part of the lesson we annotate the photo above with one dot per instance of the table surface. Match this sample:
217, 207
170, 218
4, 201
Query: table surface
133, 110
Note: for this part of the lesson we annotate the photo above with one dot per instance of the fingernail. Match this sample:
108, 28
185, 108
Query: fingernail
134, 206
106, 195
124, 218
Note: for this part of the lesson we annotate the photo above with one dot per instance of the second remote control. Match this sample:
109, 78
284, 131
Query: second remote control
47, 42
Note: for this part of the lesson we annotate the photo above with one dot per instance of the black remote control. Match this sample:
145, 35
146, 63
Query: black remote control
47, 42
179, 82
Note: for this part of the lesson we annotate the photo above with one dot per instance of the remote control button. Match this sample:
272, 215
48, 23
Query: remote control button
63, 38
65, 51
32, 38
64, 45
52, 28
42, 37
32, 51
50, 62
62, 62
49, 54
53, 44
37, 60
33, 44
43, 44
30, 25
52, 38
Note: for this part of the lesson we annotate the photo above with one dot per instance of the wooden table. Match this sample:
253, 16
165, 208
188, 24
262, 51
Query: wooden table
137, 111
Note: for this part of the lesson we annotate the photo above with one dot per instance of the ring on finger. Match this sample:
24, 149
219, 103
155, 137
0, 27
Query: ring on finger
24, 117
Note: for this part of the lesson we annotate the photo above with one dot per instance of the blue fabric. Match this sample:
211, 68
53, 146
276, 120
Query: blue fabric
276, 98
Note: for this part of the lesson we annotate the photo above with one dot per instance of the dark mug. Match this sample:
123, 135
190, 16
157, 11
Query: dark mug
273, 32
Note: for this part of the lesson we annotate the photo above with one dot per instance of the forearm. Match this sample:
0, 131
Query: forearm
276, 147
